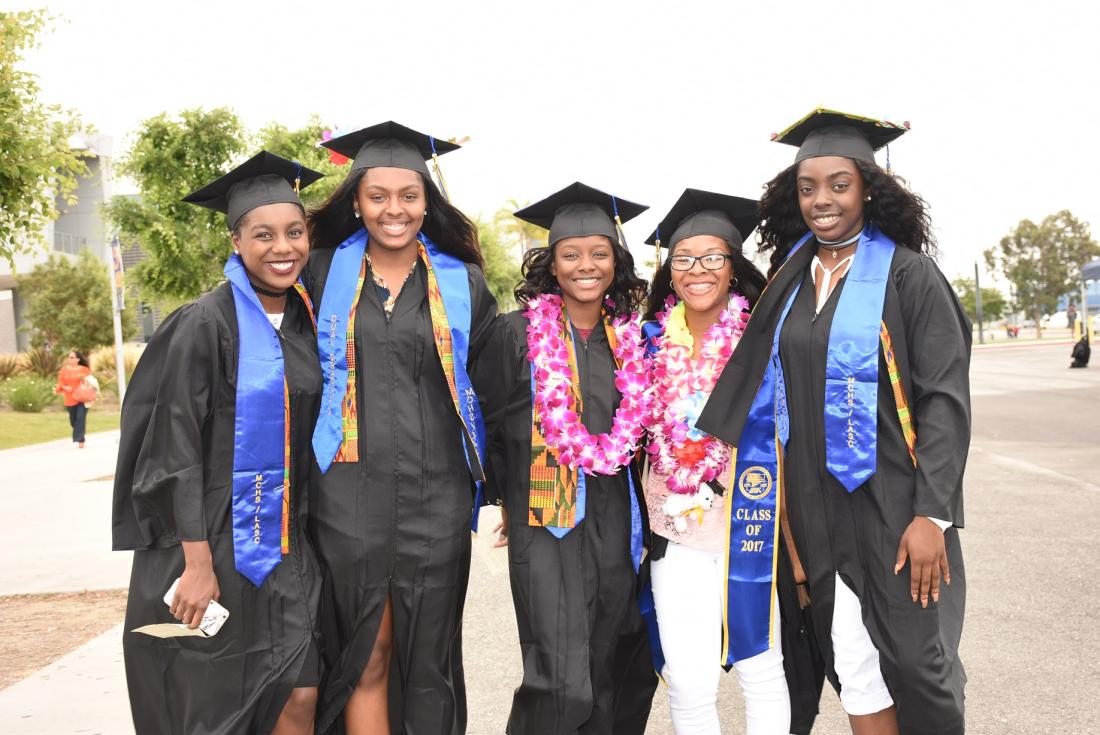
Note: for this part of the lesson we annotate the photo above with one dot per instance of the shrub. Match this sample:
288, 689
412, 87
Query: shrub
43, 362
9, 366
28, 394
102, 362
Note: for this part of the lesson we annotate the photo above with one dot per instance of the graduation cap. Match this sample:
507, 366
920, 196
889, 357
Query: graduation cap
699, 212
579, 210
393, 145
263, 179
830, 133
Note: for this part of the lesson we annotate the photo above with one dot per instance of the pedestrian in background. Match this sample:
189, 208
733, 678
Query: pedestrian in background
69, 381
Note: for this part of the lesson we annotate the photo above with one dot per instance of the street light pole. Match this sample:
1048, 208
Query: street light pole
978, 304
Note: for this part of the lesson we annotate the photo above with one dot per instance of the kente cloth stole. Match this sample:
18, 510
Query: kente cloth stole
261, 468
901, 401
554, 500
449, 302
349, 411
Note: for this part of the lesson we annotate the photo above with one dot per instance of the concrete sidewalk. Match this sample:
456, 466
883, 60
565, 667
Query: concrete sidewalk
56, 523
83, 692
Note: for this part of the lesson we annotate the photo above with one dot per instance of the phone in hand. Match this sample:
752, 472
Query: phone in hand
212, 620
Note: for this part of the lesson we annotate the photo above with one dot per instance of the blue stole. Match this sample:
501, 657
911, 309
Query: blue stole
579, 508
851, 432
332, 327
332, 344
260, 416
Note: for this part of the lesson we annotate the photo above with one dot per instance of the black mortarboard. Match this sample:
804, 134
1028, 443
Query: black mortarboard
579, 210
263, 179
392, 145
831, 133
699, 212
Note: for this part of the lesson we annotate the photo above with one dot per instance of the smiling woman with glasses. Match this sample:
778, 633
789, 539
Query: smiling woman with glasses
698, 308
709, 261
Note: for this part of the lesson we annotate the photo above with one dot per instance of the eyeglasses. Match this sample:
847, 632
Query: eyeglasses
710, 261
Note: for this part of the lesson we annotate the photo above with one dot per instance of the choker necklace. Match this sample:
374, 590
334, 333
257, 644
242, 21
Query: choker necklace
265, 292
837, 245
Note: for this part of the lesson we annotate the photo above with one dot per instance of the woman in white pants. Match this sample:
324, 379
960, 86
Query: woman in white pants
706, 614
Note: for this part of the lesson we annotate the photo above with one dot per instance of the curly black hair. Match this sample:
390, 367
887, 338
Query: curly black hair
894, 209
334, 221
747, 281
627, 291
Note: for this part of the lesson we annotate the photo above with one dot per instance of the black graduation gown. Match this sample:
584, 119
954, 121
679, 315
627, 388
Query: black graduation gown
586, 659
173, 482
397, 523
857, 534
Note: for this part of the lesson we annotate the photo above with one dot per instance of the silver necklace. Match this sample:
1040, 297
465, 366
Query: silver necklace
835, 246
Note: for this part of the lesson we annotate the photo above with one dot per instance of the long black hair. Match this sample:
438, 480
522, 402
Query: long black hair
627, 290
747, 281
334, 221
898, 212
81, 358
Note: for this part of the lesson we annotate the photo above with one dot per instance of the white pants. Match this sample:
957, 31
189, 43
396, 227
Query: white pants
855, 658
687, 591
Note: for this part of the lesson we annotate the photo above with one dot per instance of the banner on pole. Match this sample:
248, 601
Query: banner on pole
117, 275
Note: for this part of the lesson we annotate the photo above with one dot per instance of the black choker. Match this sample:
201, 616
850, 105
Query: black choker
265, 292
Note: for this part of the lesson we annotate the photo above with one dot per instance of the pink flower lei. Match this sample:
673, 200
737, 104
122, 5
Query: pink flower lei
680, 388
554, 397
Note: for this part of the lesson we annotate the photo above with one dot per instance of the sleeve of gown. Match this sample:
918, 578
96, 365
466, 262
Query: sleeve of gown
483, 307
938, 336
169, 472
498, 364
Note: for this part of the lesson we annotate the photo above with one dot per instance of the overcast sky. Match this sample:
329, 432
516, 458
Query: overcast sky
638, 98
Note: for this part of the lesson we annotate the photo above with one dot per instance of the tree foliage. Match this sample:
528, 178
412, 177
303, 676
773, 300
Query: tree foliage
993, 301
37, 163
303, 145
1043, 261
502, 271
69, 303
186, 246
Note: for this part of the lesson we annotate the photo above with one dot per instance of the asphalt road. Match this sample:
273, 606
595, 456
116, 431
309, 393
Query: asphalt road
1030, 644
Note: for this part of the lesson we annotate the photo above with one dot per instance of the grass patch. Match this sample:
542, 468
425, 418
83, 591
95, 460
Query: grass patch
21, 429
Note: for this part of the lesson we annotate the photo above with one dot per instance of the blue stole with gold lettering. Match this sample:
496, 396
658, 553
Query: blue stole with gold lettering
259, 430
851, 432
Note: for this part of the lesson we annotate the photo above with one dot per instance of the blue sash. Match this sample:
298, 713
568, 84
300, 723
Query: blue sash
332, 326
259, 430
454, 289
851, 370
332, 344
851, 432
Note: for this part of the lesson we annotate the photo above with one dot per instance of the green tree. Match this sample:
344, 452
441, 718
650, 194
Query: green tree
185, 246
36, 162
502, 271
516, 233
69, 304
1043, 261
993, 301
302, 145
